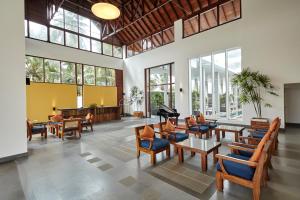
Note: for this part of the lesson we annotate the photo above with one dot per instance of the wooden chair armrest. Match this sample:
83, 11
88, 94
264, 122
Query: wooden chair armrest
250, 146
245, 162
234, 147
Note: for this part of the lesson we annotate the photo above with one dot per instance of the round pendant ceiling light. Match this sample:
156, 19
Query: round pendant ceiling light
106, 11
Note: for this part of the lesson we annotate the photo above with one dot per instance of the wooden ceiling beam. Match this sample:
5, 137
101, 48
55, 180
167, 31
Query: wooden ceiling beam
174, 10
153, 10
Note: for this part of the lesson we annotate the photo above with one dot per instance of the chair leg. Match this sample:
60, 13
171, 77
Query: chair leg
167, 152
92, 128
207, 135
175, 150
219, 181
200, 135
153, 158
256, 192
138, 153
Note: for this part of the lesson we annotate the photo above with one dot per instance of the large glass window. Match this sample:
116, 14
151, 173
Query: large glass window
234, 67
100, 76
56, 36
89, 75
110, 77
219, 85
71, 40
68, 73
207, 19
84, 26
79, 74
38, 31
84, 43
71, 21
34, 69
58, 19
211, 91
96, 46
107, 49
95, 30
52, 71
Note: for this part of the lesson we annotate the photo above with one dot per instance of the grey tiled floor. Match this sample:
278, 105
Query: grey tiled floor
103, 165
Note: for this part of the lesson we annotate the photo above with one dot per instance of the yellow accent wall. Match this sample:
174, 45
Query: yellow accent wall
42, 97
106, 96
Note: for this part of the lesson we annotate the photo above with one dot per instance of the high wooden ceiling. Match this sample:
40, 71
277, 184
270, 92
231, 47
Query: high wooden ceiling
139, 18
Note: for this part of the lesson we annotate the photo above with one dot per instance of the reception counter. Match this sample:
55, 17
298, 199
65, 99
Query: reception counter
105, 113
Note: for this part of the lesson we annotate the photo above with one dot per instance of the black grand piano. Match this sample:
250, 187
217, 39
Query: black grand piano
167, 112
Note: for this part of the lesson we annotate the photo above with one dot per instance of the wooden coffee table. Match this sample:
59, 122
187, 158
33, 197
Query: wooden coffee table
237, 130
195, 145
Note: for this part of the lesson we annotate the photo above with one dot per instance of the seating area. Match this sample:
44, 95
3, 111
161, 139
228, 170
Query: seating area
149, 100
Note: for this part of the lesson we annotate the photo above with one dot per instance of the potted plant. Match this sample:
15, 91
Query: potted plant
136, 99
253, 87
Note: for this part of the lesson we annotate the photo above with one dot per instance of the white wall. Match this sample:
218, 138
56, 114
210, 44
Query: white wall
268, 34
292, 104
59, 52
12, 79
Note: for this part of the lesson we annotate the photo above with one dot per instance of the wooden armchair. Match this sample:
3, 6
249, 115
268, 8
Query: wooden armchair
37, 128
211, 123
242, 171
151, 146
72, 126
88, 121
196, 129
173, 136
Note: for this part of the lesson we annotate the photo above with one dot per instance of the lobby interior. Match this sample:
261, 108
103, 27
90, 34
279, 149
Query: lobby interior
149, 99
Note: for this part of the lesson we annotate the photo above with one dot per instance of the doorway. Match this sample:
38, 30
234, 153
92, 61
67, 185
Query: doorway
160, 88
291, 104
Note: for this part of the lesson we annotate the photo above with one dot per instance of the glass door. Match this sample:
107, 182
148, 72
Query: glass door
159, 88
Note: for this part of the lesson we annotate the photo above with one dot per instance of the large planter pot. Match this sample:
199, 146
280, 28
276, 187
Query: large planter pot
259, 123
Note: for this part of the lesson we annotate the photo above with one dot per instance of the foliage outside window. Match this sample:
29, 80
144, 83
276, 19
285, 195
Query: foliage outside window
110, 77
34, 69
89, 75
52, 71
68, 72
72, 30
56, 36
38, 31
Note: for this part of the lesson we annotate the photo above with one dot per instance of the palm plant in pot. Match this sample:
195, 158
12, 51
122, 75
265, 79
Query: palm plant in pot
253, 87
136, 99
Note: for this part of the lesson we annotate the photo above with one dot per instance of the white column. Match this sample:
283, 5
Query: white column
12, 79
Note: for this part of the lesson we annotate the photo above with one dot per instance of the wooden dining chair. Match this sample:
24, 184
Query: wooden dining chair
244, 171
193, 128
72, 126
211, 123
174, 134
151, 146
88, 121
33, 129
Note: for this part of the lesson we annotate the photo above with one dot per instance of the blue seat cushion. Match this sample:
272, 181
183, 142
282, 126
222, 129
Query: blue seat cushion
201, 128
245, 153
157, 144
38, 129
237, 169
179, 136
212, 125
261, 130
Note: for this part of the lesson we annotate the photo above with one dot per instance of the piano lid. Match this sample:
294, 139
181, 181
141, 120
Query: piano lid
167, 109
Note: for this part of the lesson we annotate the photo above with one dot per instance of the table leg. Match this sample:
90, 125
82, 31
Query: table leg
192, 153
223, 134
180, 154
217, 132
236, 136
204, 162
215, 152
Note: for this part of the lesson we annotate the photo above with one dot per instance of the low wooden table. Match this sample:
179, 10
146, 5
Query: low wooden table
195, 145
237, 130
